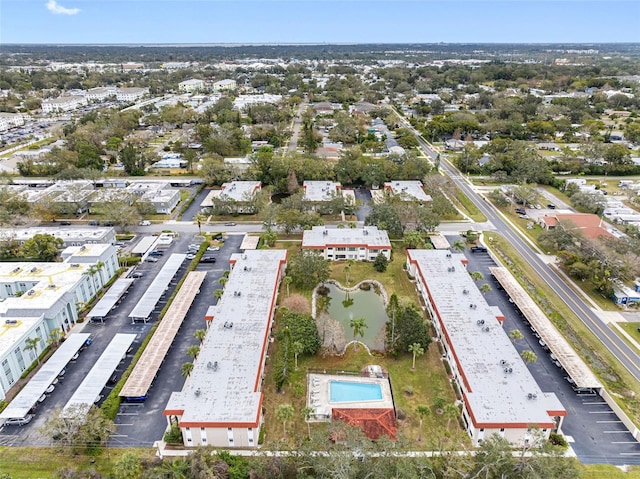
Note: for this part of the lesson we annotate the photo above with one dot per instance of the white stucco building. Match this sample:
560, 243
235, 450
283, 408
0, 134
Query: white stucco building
190, 86
220, 404
360, 244
10, 120
63, 103
130, 94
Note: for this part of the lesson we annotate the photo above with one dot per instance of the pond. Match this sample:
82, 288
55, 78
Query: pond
343, 307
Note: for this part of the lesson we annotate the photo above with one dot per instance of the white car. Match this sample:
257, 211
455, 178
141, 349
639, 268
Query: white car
151, 259
213, 248
50, 389
190, 256
145, 223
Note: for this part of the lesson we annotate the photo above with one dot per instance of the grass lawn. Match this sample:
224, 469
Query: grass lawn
410, 388
44, 463
598, 471
632, 330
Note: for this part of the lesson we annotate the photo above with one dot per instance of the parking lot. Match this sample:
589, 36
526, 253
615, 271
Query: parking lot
593, 430
140, 424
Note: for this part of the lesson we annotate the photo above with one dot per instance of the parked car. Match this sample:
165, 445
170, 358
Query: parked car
151, 259
145, 223
208, 259
65, 223
156, 253
75, 357
229, 223
478, 249
213, 248
113, 379
42, 398
136, 274
18, 421
521, 211
108, 223
551, 206
94, 223
50, 389
189, 256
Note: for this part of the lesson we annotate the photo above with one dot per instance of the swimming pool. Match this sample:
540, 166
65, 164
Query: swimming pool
351, 391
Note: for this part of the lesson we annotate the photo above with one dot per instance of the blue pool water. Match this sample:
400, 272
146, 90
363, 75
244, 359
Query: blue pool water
346, 391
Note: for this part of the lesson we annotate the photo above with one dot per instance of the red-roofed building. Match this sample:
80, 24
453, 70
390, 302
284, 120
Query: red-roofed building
375, 423
590, 225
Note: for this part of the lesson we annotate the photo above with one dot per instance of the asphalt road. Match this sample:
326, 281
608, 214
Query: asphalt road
596, 435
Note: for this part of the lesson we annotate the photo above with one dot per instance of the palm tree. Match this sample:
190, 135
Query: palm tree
528, 356
55, 336
485, 288
476, 275
347, 270
417, 350
193, 351
198, 219
516, 335
32, 343
423, 411
451, 412
458, 245
307, 412
218, 294
298, 348
200, 334
285, 413
358, 325
223, 281
186, 369
287, 281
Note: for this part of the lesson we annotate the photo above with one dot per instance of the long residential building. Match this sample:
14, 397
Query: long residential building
38, 298
360, 244
220, 404
499, 394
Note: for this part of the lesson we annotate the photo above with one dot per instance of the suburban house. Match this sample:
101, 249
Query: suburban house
590, 225
498, 393
234, 197
38, 298
360, 244
220, 404
170, 160
408, 190
191, 86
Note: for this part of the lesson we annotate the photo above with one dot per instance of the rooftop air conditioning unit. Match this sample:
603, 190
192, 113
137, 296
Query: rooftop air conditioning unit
486, 329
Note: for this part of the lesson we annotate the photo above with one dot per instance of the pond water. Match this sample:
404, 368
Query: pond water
359, 304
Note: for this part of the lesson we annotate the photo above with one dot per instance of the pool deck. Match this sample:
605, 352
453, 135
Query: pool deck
319, 399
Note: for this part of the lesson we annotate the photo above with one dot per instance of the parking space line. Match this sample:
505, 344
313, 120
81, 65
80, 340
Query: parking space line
125, 424
630, 453
616, 432
592, 403
605, 422
601, 412
625, 442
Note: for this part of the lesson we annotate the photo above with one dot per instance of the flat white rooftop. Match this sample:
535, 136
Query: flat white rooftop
501, 390
225, 384
67, 233
152, 295
236, 191
369, 236
47, 373
320, 190
408, 190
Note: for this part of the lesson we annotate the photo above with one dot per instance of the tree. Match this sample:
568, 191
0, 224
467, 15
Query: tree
193, 351
485, 288
528, 356
303, 330
347, 270
83, 428
55, 337
307, 412
217, 294
287, 281
285, 413
407, 326
424, 412
199, 219
515, 335
416, 350
476, 275
450, 411
298, 348
358, 325
185, 369
128, 466
308, 269
380, 263
200, 334
42, 247
32, 344
458, 245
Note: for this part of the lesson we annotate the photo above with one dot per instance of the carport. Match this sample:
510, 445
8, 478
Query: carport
570, 361
90, 388
49, 371
152, 295
144, 245
109, 300
146, 369
439, 241
249, 242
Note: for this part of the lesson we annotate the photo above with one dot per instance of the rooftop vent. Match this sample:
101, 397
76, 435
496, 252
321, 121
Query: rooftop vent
75, 265
465, 291
83, 247
486, 329
503, 362
34, 269
16, 270
197, 392
508, 370
31, 292
532, 396
52, 286
448, 255
228, 325
480, 322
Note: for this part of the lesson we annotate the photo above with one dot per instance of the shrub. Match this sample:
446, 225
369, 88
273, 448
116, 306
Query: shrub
365, 286
173, 436
558, 440
323, 290
408, 390
380, 264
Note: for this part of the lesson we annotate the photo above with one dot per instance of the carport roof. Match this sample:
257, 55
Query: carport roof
49, 371
571, 362
152, 295
108, 301
97, 378
147, 366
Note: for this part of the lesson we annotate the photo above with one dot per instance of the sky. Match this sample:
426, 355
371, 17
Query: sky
318, 21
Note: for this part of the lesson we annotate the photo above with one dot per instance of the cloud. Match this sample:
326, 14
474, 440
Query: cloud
53, 7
